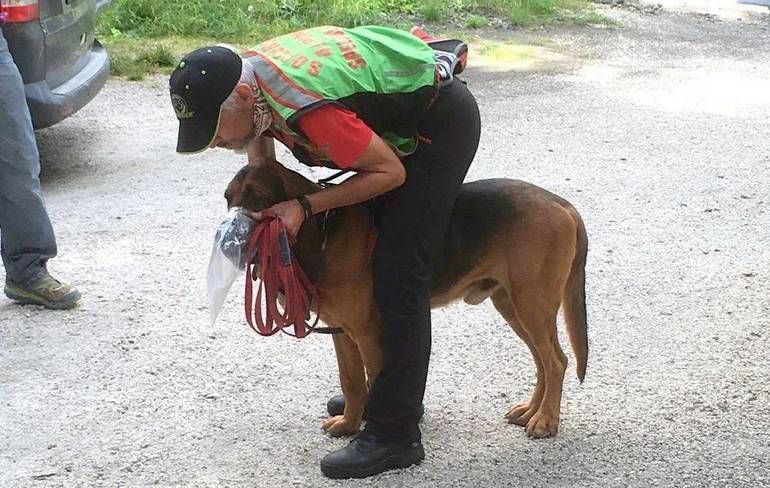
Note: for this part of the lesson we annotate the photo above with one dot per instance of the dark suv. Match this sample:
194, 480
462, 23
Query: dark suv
62, 64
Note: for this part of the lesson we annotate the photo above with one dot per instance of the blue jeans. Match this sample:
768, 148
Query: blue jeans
26, 236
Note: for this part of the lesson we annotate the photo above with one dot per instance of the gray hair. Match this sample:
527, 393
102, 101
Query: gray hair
248, 77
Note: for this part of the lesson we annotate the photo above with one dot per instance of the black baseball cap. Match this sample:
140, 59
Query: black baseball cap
199, 84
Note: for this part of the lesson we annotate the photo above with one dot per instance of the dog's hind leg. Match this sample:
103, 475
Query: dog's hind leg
536, 314
520, 413
353, 383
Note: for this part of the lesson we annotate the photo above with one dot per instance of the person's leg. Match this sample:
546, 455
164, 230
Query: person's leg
412, 222
26, 236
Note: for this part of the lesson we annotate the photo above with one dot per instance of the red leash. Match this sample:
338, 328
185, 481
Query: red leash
280, 273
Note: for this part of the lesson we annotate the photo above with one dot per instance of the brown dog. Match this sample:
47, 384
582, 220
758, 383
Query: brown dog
509, 240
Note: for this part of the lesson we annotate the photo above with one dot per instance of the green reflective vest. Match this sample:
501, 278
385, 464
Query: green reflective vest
386, 76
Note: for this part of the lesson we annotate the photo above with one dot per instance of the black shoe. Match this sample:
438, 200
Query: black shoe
336, 406
366, 455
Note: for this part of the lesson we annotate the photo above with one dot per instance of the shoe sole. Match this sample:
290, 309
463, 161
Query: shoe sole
25, 298
396, 461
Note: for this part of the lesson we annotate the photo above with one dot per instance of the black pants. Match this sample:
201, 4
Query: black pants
412, 220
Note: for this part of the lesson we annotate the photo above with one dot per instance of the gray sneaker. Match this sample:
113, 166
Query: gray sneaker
47, 291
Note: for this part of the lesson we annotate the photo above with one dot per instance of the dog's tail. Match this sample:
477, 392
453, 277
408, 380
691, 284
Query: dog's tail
574, 300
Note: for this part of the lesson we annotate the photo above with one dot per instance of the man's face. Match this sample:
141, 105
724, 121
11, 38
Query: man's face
236, 125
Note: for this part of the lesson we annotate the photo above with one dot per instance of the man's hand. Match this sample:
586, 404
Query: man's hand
291, 213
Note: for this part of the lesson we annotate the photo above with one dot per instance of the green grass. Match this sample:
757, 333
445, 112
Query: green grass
510, 53
476, 22
159, 55
531, 12
135, 57
433, 10
147, 36
592, 18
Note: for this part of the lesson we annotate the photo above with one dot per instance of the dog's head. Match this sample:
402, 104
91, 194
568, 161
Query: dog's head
256, 188
259, 187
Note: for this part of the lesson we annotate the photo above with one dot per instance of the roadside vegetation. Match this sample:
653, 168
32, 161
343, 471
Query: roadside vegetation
149, 36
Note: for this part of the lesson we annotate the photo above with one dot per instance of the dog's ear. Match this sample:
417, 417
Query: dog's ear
234, 191
308, 250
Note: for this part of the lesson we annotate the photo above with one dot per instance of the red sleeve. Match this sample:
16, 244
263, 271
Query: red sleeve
338, 132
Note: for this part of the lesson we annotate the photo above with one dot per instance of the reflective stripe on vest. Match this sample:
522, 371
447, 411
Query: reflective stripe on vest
279, 87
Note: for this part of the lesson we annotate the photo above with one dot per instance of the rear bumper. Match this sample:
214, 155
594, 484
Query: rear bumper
101, 5
49, 106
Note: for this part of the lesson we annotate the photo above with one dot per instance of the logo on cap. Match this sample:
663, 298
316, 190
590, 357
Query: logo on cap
180, 107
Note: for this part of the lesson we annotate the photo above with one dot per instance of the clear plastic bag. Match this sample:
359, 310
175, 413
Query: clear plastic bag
228, 257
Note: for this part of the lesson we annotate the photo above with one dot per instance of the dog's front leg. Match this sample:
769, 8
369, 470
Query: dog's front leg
353, 382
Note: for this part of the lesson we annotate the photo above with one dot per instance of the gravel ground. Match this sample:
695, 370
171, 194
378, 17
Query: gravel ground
657, 130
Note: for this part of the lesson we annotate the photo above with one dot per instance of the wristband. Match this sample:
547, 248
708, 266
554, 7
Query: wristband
302, 199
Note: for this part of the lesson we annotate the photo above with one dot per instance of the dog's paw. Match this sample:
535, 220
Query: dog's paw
519, 414
339, 426
541, 426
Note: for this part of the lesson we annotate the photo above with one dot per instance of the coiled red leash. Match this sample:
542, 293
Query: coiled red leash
280, 273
